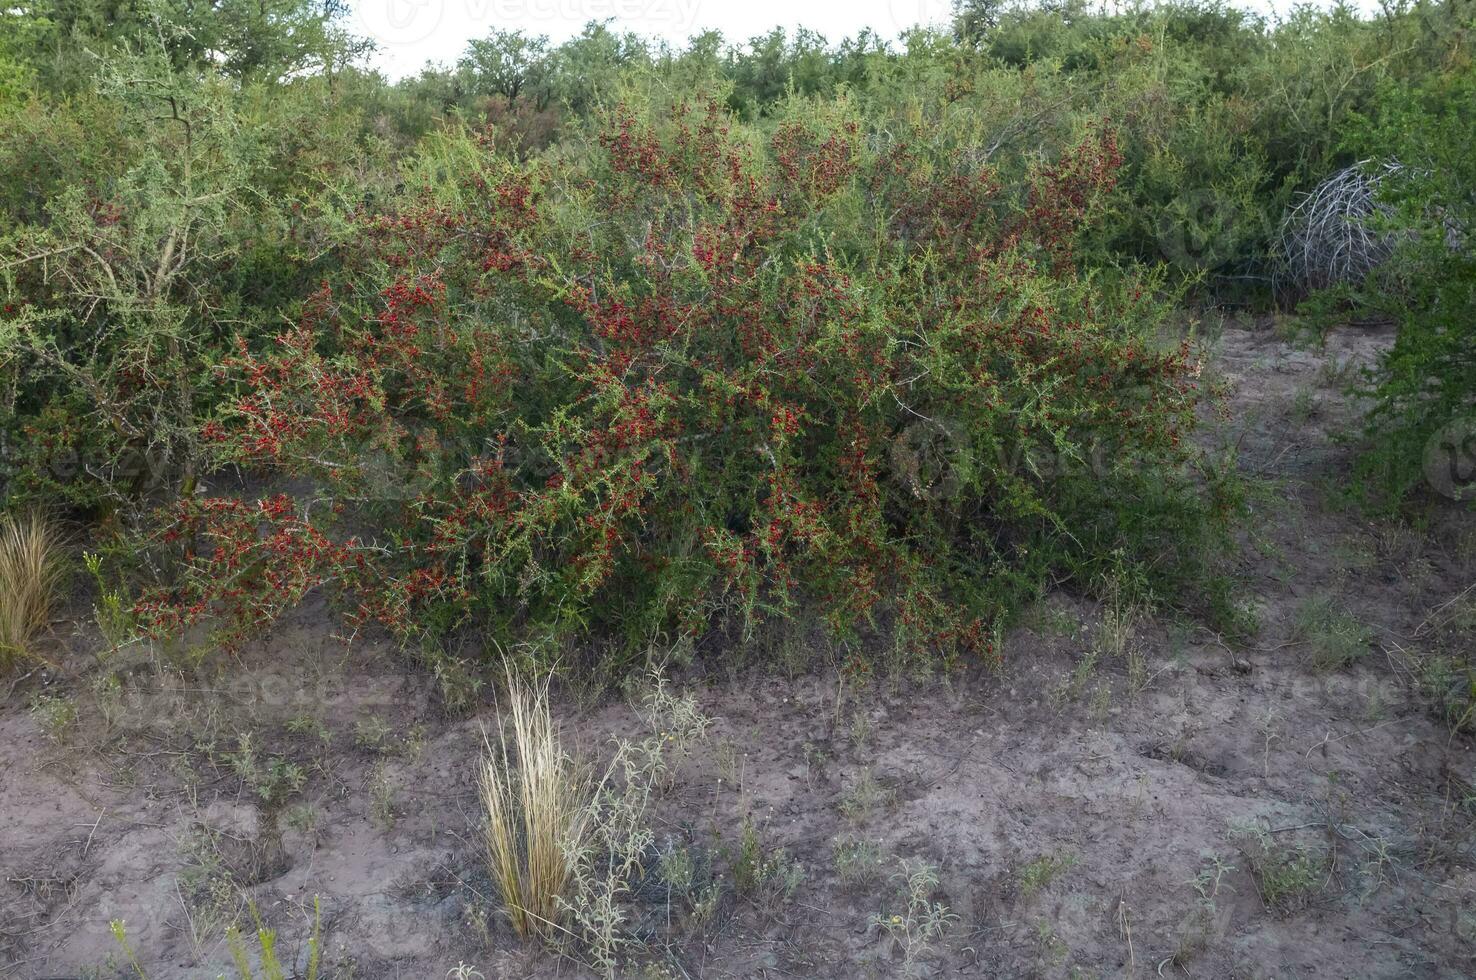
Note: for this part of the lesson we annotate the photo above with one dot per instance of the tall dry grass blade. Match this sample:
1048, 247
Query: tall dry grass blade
30, 578
536, 803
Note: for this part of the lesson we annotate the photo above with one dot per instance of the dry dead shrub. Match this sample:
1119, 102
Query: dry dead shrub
1333, 235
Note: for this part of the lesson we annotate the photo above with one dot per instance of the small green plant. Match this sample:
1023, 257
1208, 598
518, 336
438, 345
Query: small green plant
1137, 670
1305, 405
1115, 632
1287, 874
1333, 636
1377, 864
1289, 877
1211, 879
108, 697
860, 729
1448, 685
729, 761
675, 724
273, 779
689, 883
1074, 686
866, 796
768, 878
458, 680
120, 936
304, 818
921, 922
57, 716
857, 861
1199, 927
270, 968
310, 726
208, 893
1052, 947
412, 746
1400, 543
1045, 869
1126, 598
611, 862
113, 612
747, 869
678, 869
372, 733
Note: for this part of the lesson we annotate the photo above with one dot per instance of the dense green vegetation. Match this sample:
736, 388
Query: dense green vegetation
609, 339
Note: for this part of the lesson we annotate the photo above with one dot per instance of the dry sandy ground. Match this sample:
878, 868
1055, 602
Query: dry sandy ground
1205, 811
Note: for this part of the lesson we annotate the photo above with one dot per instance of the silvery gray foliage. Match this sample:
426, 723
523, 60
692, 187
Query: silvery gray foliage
1339, 232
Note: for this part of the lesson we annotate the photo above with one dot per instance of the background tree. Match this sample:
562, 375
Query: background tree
507, 63
973, 19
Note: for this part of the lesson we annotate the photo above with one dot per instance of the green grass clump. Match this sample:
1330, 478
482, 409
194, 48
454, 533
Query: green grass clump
1333, 636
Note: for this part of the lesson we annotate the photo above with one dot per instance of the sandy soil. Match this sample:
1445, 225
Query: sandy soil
1198, 808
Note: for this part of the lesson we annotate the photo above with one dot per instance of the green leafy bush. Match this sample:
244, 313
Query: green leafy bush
104, 294
149, 219
1422, 420
694, 374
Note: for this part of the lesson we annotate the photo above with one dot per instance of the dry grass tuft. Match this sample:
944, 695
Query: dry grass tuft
30, 576
537, 813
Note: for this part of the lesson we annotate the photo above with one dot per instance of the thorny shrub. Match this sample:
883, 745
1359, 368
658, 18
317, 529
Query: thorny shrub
697, 374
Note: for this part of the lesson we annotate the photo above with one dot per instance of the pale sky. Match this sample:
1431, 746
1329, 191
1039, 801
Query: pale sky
409, 33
